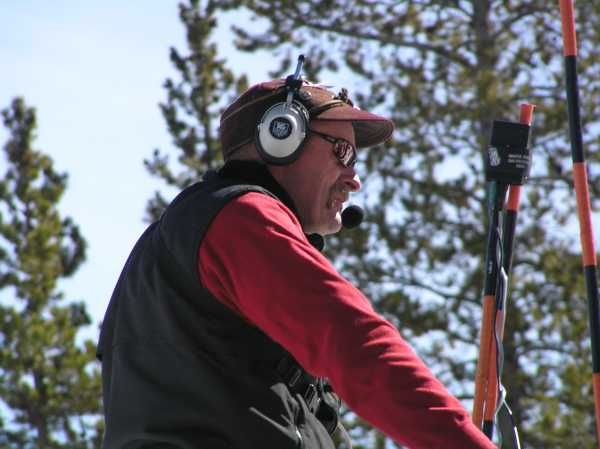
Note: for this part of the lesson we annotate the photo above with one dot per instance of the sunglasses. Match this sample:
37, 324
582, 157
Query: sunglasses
343, 150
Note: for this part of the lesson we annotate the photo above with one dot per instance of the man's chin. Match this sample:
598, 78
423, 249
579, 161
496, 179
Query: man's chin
334, 225
329, 224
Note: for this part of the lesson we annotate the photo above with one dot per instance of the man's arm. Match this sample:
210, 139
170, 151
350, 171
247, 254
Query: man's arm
255, 259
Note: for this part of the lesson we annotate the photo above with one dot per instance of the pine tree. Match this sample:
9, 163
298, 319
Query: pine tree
194, 103
49, 384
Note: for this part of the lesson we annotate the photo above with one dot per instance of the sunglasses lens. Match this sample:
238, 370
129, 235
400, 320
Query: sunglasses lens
345, 153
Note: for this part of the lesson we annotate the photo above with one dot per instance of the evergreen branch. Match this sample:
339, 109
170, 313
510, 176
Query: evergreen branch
443, 52
524, 12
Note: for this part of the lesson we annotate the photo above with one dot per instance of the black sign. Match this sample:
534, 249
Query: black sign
508, 158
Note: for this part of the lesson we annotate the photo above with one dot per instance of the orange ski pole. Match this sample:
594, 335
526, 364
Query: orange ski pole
507, 164
508, 235
586, 232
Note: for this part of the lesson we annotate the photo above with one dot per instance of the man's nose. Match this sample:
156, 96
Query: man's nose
351, 180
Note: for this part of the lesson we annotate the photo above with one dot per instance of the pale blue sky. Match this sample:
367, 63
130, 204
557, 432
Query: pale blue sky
94, 72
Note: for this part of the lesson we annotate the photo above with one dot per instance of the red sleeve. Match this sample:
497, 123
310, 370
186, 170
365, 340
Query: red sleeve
256, 259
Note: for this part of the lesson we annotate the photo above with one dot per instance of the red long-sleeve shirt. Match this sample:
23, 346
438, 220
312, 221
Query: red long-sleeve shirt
256, 260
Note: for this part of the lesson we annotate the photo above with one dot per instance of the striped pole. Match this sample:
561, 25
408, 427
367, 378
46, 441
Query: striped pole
508, 237
492, 327
586, 232
496, 194
514, 197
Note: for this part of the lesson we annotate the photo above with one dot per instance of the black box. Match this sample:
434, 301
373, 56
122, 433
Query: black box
508, 158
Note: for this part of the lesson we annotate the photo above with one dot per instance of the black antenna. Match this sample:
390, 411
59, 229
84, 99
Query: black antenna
294, 82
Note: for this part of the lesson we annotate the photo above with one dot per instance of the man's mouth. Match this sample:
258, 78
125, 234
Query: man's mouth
337, 201
338, 196
335, 204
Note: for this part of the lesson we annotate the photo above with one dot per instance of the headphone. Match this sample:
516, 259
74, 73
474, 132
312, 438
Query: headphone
282, 130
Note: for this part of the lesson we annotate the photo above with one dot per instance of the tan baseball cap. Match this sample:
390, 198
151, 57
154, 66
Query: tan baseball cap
240, 119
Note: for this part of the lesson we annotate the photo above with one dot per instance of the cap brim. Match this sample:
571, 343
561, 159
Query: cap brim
369, 129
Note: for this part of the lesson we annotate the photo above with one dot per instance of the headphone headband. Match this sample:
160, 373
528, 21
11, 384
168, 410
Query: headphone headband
316, 110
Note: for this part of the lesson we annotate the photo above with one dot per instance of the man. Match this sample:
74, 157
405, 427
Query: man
227, 327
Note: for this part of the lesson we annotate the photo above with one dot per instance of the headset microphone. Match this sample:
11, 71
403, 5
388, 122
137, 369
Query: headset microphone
352, 216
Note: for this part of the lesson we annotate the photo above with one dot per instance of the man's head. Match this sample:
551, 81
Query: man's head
317, 170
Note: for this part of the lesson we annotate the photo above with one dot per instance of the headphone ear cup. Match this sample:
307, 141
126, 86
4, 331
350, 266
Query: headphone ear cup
281, 132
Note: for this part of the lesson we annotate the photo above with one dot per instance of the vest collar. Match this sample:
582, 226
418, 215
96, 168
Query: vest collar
257, 173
